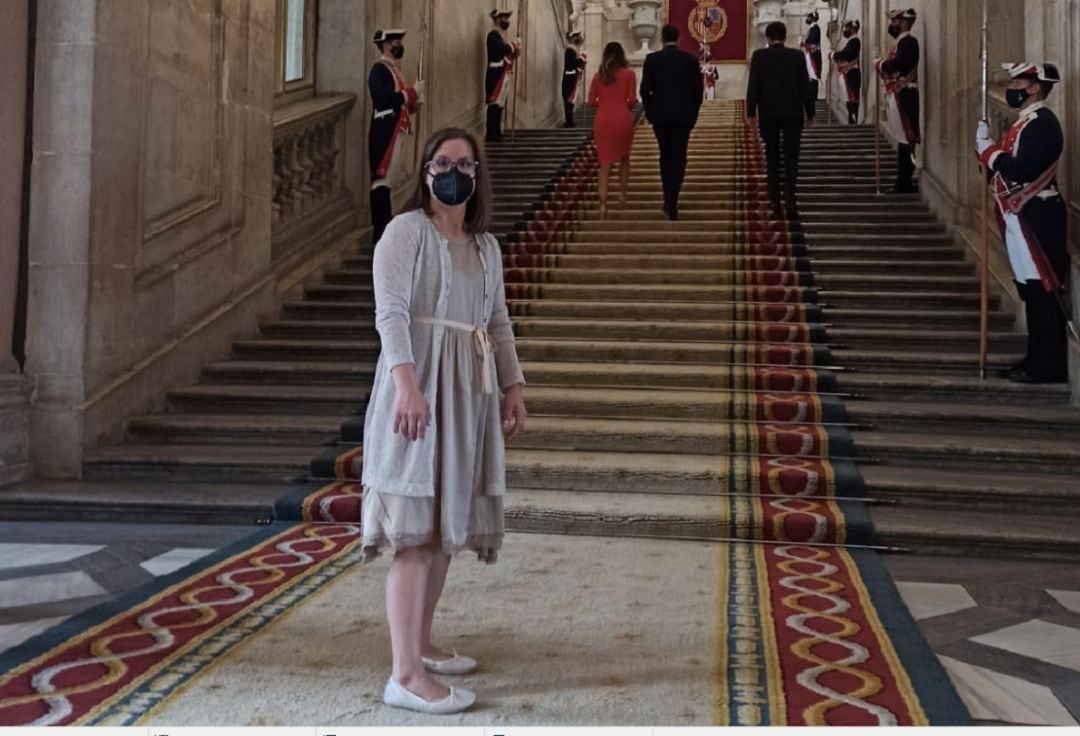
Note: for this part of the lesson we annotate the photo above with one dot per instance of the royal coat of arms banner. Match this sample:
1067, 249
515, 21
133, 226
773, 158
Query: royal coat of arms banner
721, 25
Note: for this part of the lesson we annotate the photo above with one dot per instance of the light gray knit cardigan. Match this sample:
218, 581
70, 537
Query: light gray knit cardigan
412, 274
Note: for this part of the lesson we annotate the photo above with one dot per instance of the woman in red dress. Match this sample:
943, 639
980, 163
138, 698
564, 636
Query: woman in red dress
613, 93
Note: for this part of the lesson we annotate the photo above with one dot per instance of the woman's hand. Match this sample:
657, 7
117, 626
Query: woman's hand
412, 413
513, 411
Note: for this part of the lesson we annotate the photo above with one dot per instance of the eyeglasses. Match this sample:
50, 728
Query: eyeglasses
442, 165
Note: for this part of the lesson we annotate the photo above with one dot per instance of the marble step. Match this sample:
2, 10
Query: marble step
970, 450
973, 533
235, 429
363, 351
951, 532
989, 419
201, 463
313, 400
292, 372
714, 353
691, 404
576, 327
930, 488
306, 349
663, 375
913, 360
155, 502
928, 319
964, 297
363, 312
894, 339
925, 387
607, 292
656, 436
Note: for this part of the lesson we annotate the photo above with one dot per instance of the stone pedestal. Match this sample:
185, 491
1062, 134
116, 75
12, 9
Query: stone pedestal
645, 23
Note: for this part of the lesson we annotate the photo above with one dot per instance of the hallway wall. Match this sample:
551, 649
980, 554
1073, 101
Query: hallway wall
150, 206
14, 401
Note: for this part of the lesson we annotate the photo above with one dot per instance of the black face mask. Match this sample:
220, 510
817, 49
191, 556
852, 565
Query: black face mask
1017, 97
452, 188
894, 31
847, 34
397, 52
504, 24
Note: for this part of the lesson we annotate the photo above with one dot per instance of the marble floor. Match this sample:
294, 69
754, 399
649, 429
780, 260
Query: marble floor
1007, 631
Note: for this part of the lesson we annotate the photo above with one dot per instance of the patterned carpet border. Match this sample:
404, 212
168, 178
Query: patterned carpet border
114, 662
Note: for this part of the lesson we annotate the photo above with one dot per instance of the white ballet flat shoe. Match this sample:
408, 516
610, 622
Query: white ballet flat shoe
456, 665
397, 696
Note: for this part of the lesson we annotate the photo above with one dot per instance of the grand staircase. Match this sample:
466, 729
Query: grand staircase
640, 362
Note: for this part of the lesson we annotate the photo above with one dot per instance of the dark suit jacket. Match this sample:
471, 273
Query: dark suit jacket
671, 86
779, 84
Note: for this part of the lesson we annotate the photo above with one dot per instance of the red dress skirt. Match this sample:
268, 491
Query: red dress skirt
613, 128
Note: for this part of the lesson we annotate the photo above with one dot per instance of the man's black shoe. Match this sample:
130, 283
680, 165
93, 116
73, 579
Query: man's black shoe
1019, 366
1023, 376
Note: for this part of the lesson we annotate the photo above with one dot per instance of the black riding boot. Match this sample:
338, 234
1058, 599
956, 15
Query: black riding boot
382, 211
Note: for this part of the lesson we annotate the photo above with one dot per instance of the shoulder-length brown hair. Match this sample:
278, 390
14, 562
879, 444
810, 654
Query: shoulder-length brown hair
479, 210
613, 60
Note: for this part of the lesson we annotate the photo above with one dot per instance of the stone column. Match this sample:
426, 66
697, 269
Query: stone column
59, 279
14, 399
13, 57
343, 47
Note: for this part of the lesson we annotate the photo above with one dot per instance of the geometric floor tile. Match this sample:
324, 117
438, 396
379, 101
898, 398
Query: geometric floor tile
926, 600
25, 555
1041, 640
992, 696
13, 634
48, 589
173, 560
1068, 598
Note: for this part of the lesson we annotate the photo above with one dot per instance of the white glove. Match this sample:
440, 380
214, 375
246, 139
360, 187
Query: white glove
982, 137
419, 87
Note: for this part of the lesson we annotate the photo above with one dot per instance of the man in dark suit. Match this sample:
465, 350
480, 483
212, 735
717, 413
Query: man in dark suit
781, 97
671, 90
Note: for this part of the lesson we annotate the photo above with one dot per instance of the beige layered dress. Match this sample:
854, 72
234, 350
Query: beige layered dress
461, 514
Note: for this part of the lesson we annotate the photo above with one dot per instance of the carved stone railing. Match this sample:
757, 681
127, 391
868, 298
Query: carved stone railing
309, 166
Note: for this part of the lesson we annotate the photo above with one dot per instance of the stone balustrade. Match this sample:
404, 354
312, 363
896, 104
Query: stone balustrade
309, 163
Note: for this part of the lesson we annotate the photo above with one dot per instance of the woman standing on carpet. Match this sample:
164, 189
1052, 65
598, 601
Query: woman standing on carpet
434, 457
613, 93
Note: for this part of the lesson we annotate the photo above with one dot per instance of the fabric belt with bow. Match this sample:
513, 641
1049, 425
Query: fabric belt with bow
482, 344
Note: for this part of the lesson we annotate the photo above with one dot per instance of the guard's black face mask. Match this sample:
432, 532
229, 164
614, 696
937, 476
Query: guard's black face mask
1017, 98
397, 51
504, 24
894, 31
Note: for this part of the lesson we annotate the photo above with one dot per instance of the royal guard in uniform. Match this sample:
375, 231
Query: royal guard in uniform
392, 102
900, 74
1032, 217
573, 73
709, 73
501, 54
811, 47
847, 64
